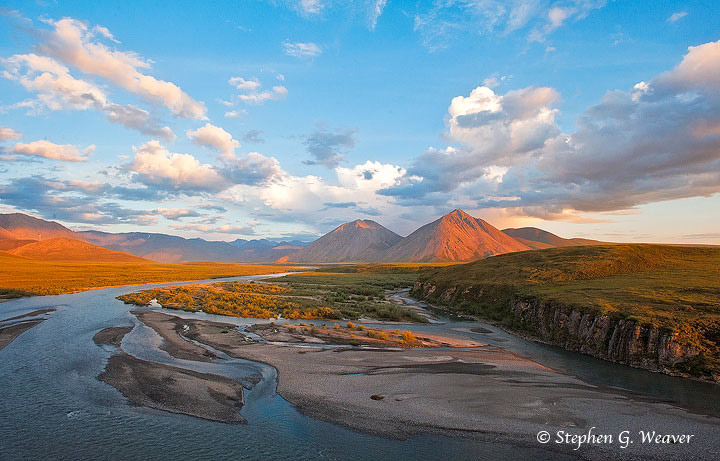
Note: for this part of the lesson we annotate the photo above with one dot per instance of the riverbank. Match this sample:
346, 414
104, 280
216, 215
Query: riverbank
485, 393
168, 388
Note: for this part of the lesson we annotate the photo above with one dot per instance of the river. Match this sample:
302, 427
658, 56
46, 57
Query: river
53, 406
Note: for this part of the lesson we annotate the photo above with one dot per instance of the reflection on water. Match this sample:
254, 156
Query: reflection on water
53, 406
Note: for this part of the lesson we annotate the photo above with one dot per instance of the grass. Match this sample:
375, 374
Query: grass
350, 294
673, 288
23, 277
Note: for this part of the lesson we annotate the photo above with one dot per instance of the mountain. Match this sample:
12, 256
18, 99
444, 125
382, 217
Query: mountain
171, 249
24, 227
455, 237
64, 249
266, 249
357, 241
11, 243
539, 239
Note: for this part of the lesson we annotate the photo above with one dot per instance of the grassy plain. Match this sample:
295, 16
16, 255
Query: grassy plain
25, 277
354, 292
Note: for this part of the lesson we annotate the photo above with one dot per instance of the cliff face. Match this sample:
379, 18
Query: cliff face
601, 336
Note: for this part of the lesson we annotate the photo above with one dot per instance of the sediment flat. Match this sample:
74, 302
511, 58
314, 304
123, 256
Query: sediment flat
13, 327
175, 390
111, 336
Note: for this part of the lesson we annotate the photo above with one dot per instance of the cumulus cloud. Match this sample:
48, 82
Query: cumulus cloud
70, 201
158, 168
660, 140
74, 43
8, 134
302, 49
278, 92
327, 147
245, 85
56, 89
255, 169
49, 150
155, 166
138, 119
215, 138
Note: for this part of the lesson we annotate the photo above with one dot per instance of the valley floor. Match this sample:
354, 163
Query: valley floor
485, 392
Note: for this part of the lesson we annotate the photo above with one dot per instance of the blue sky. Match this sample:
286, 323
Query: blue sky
248, 119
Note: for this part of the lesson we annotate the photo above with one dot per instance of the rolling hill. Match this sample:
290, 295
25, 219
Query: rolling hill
357, 241
64, 249
457, 236
539, 239
649, 306
24, 227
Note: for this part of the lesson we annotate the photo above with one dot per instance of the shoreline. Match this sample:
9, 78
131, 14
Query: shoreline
169, 388
486, 393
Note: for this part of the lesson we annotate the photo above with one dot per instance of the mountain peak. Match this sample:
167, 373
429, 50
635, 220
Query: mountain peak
361, 240
358, 224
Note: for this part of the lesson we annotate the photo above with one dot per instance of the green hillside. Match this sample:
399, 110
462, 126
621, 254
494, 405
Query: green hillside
673, 288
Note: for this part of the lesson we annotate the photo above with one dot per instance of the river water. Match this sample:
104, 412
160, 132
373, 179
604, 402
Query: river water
53, 407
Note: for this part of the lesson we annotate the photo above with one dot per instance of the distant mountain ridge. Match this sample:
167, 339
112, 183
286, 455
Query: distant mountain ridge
356, 241
172, 249
454, 237
539, 239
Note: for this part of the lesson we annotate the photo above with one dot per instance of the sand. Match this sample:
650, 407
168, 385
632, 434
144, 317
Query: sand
168, 388
486, 393
13, 327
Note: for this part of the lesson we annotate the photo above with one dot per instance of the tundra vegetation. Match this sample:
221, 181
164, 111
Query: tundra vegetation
26, 277
673, 288
356, 292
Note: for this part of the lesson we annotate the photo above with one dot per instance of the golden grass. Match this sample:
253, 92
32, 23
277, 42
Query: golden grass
20, 276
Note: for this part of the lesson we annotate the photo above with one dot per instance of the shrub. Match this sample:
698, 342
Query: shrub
408, 336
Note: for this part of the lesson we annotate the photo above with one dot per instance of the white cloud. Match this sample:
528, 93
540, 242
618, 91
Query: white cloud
302, 49
311, 7
8, 134
277, 93
56, 89
376, 12
73, 43
235, 113
49, 150
139, 119
215, 138
658, 141
677, 16
439, 25
245, 85
156, 166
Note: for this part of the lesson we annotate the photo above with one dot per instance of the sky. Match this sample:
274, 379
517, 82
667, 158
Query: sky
283, 119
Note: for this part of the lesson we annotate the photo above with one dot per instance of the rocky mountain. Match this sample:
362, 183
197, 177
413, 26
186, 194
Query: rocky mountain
357, 241
65, 249
455, 237
538, 239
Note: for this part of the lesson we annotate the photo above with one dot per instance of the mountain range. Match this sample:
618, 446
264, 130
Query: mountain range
454, 237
